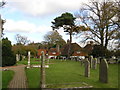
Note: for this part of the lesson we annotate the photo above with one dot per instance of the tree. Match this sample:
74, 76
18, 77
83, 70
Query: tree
2, 3
54, 38
21, 39
8, 58
67, 22
1, 20
102, 20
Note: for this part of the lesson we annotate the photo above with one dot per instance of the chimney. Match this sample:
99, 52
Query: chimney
68, 41
58, 48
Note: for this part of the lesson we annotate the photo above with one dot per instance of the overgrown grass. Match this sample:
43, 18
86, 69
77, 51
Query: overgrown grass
61, 74
6, 78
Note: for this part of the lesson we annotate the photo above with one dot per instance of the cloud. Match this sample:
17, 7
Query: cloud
24, 26
45, 7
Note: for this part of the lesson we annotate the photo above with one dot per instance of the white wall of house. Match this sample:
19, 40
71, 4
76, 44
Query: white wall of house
81, 57
52, 56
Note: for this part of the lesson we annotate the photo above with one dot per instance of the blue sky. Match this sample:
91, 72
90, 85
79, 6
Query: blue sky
32, 18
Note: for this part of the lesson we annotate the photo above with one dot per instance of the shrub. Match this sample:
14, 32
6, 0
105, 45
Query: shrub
8, 58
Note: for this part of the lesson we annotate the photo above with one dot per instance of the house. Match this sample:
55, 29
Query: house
51, 53
39, 54
76, 50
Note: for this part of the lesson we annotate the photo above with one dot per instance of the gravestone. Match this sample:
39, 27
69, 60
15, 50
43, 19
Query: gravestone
90, 60
28, 59
87, 68
98, 60
103, 71
94, 63
42, 82
23, 57
17, 57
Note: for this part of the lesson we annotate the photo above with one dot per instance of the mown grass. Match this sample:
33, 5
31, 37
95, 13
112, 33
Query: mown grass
32, 61
6, 78
62, 74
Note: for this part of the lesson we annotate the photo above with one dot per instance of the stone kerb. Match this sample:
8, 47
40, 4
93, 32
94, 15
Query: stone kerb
103, 71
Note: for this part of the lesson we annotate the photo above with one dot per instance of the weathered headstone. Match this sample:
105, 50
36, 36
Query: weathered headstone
90, 60
23, 57
94, 63
103, 71
17, 57
42, 82
87, 68
28, 59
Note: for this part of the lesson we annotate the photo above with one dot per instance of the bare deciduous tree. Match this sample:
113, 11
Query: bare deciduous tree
21, 39
103, 20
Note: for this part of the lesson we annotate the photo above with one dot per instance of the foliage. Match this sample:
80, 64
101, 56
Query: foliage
63, 74
100, 51
2, 4
2, 23
19, 49
117, 53
8, 57
54, 38
23, 50
102, 20
6, 78
66, 20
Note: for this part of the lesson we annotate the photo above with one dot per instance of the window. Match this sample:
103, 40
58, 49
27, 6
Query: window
78, 52
53, 52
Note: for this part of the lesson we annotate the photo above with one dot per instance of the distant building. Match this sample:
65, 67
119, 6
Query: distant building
40, 52
76, 50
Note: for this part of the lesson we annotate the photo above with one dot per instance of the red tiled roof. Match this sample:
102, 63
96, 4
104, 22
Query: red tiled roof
53, 52
40, 51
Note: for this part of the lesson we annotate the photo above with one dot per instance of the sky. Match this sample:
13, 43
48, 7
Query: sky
32, 18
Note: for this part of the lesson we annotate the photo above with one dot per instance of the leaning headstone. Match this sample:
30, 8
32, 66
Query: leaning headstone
28, 59
90, 60
94, 63
103, 71
42, 82
87, 68
17, 57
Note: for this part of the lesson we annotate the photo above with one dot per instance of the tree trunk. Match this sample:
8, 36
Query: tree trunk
69, 50
106, 38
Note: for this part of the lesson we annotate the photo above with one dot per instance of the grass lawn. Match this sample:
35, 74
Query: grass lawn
62, 74
32, 61
6, 78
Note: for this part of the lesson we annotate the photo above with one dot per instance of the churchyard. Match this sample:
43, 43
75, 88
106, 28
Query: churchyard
68, 74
